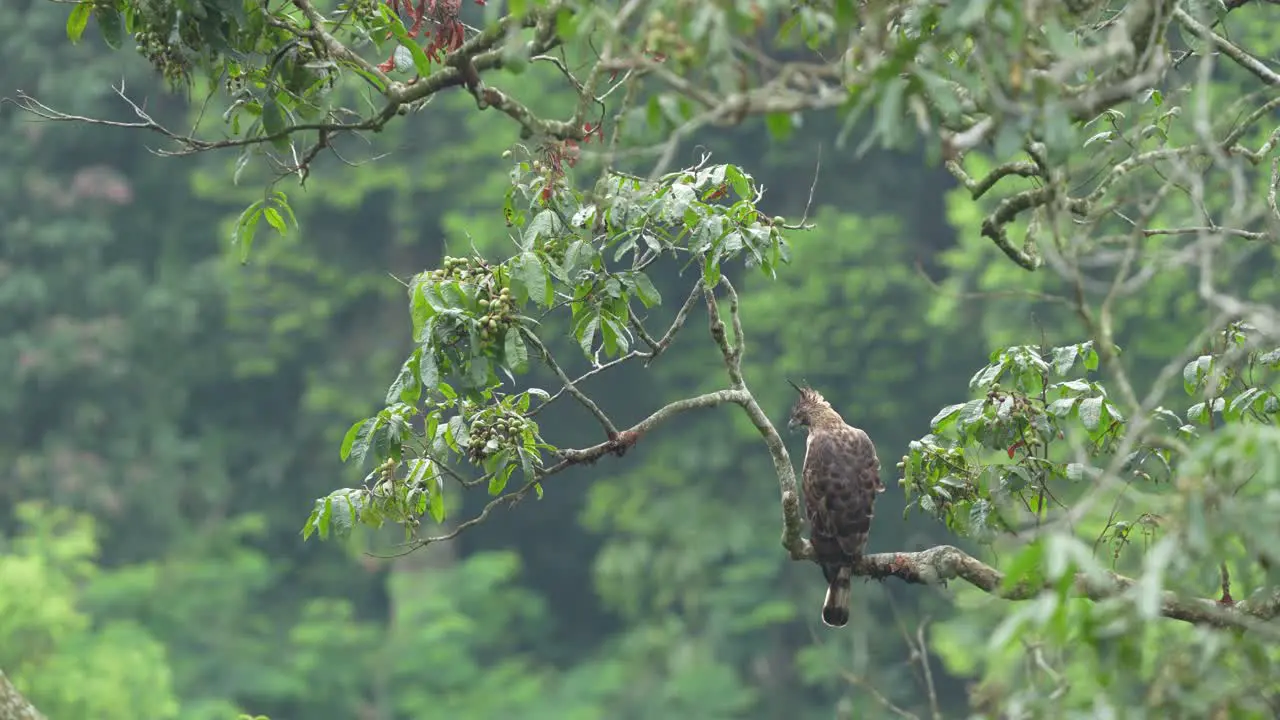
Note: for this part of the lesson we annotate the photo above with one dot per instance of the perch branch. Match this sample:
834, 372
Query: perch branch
939, 564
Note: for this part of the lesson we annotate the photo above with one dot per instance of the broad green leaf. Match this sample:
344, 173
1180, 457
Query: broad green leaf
406, 387
78, 20
498, 482
275, 123
514, 351
350, 438
645, 290
587, 332
545, 224
1195, 372
1091, 413
1064, 358
741, 185
436, 503
428, 370
532, 276
1062, 407
947, 413
111, 25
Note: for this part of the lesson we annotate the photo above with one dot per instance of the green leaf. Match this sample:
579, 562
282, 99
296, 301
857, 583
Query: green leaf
274, 122
78, 20
971, 412
428, 369
1090, 358
246, 228
779, 125
498, 482
1017, 479
645, 290
1025, 566
533, 278
312, 524
420, 60
436, 504
741, 185
1064, 358
1242, 402
889, 110
406, 387
587, 332
350, 438
1062, 407
1091, 413
275, 220
544, 224
987, 376
111, 26
1195, 372
947, 413
711, 272
514, 351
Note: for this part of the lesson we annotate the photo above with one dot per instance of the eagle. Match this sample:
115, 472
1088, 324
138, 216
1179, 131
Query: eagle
840, 481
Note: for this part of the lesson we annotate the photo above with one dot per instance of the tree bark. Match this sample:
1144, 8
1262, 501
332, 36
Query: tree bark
13, 706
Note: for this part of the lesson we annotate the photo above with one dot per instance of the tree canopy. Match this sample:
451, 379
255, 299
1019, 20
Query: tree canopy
1111, 469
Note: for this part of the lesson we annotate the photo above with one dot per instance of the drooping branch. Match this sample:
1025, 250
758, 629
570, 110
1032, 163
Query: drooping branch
937, 565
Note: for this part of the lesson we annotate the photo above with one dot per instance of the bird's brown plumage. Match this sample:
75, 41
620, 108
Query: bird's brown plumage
840, 481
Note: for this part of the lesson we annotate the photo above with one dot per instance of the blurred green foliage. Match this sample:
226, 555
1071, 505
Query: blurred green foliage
175, 407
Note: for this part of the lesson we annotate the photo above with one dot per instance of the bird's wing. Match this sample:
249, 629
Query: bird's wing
841, 481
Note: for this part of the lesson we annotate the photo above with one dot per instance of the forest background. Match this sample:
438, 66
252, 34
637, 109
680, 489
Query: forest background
174, 412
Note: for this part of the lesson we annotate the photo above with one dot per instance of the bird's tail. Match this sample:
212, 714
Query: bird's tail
835, 606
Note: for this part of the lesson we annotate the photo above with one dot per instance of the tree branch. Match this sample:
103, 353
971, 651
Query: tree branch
796, 545
13, 706
937, 565
1228, 48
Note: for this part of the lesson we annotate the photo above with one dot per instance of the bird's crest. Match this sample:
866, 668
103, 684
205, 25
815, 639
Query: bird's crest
808, 394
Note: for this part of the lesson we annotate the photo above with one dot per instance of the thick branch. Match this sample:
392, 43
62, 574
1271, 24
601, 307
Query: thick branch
939, 564
13, 706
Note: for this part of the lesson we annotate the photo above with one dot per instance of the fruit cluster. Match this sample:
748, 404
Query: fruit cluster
170, 61
501, 428
460, 269
554, 250
663, 39
498, 314
363, 9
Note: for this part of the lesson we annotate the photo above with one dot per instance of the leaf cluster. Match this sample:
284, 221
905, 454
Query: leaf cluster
456, 409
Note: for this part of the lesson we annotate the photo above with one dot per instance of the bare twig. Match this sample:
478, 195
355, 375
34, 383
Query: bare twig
581, 397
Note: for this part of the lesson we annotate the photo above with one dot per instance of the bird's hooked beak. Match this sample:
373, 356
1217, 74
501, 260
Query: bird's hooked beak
792, 423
